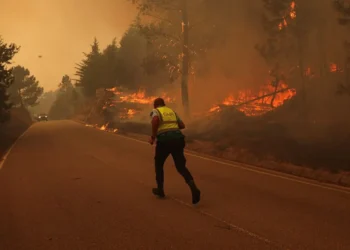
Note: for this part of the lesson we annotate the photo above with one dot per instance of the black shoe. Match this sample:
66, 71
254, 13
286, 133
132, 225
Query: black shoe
196, 193
158, 192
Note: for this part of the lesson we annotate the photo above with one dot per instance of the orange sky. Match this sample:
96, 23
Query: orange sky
60, 30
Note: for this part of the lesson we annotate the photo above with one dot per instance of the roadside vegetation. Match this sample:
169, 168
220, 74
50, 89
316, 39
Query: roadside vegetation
19, 90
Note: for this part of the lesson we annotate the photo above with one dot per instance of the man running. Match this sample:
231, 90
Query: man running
166, 129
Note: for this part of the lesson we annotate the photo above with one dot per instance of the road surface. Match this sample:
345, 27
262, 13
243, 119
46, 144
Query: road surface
67, 186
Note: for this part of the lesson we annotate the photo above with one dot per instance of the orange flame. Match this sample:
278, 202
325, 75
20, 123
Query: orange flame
333, 67
104, 127
252, 104
138, 97
292, 14
128, 113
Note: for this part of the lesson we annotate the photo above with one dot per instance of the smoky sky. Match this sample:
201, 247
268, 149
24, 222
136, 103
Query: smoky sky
60, 31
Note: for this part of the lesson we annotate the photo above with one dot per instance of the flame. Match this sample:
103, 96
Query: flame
131, 112
214, 109
127, 113
260, 103
137, 97
333, 67
104, 127
292, 15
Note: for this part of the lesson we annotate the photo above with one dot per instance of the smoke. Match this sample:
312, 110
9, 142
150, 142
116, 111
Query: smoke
233, 64
60, 31
236, 64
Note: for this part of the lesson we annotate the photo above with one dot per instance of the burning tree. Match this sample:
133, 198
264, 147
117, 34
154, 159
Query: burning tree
168, 26
287, 25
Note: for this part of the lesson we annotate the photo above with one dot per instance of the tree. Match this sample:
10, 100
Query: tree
288, 25
169, 35
66, 100
45, 102
7, 52
65, 85
110, 65
90, 70
25, 90
343, 8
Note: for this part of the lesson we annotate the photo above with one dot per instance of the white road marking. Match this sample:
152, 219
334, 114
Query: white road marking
251, 169
210, 215
230, 225
2, 161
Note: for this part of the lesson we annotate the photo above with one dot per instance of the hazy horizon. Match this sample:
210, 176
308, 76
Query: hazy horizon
60, 31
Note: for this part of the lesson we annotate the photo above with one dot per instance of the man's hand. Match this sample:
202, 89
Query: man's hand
151, 140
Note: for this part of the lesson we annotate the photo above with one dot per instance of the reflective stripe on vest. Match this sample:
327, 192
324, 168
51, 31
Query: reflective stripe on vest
168, 120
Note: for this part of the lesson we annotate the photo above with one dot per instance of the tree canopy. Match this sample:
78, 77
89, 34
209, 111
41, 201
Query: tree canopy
66, 100
25, 90
7, 52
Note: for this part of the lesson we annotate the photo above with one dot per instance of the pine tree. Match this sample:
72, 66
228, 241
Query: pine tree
172, 38
25, 90
288, 25
90, 70
7, 52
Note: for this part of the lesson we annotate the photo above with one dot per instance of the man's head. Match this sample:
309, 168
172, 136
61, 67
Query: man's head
159, 102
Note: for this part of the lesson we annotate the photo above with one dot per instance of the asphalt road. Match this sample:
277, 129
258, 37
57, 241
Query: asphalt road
67, 186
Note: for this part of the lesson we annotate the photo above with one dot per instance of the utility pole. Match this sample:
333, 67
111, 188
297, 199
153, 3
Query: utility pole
185, 58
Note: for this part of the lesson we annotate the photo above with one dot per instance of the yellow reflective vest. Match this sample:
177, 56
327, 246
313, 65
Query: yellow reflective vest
168, 120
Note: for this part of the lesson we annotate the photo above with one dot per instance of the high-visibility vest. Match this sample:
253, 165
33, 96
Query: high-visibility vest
168, 120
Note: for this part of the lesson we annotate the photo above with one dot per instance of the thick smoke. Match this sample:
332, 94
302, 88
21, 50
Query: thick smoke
59, 31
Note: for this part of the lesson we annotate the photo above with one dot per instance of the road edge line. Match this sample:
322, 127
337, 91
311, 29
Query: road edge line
7, 153
255, 169
252, 168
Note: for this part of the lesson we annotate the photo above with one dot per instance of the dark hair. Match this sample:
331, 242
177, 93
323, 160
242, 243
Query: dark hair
159, 102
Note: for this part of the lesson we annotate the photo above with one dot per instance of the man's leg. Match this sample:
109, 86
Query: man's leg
177, 152
162, 153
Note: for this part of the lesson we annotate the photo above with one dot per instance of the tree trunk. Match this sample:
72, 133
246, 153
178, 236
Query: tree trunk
302, 105
20, 98
185, 59
322, 51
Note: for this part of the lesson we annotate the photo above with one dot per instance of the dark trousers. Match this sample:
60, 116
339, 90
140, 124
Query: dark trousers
176, 148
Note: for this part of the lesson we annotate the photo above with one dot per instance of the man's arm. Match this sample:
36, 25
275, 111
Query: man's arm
180, 122
155, 126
